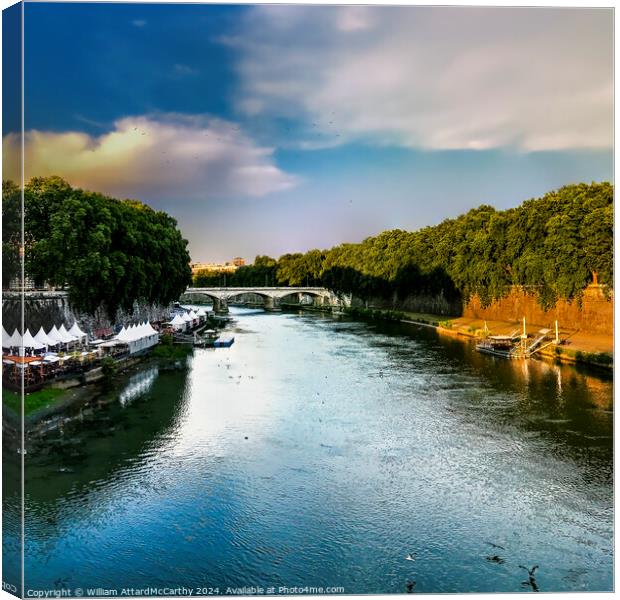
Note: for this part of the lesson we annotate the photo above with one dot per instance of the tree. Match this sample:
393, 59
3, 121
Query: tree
109, 253
11, 232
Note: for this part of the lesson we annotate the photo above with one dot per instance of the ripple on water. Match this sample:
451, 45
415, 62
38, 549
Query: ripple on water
334, 449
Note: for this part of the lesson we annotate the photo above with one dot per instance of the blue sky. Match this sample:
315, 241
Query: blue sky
269, 129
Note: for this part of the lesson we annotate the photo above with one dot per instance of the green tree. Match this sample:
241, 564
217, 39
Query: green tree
11, 232
109, 253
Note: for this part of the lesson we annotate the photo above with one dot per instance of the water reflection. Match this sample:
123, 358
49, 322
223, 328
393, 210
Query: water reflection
347, 444
138, 385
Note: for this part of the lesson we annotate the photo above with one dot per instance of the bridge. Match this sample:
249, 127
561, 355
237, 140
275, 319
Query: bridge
219, 296
222, 296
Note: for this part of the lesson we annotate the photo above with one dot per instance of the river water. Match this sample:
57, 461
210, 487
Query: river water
320, 452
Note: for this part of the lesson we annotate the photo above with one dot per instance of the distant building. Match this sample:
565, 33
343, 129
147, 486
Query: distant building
227, 267
16, 284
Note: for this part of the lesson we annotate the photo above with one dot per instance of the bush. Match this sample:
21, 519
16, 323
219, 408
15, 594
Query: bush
169, 351
108, 366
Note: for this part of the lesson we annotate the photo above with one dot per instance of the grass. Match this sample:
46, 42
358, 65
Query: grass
34, 400
445, 324
429, 319
395, 315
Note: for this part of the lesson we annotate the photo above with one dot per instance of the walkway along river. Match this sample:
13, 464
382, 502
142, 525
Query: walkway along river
321, 452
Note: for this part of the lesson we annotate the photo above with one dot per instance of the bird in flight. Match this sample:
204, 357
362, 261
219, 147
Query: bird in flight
531, 579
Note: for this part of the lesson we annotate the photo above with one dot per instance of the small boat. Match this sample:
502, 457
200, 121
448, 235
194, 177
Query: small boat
517, 346
500, 345
224, 342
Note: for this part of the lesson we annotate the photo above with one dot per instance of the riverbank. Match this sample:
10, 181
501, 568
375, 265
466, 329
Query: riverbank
59, 398
577, 347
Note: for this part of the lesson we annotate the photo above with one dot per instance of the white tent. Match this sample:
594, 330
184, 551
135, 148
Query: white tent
43, 338
30, 342
55, 335
178, 323
138, 337
78, 333
186, 317
130, 333
6, 339
16, 339
67, 337
150, 329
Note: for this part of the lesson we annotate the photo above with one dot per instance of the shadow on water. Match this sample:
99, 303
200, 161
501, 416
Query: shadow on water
128, 422
570, 405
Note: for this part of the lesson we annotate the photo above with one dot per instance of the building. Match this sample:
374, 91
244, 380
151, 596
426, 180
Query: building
227, 267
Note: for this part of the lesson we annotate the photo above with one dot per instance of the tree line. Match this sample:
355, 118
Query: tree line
107, 252
554, 246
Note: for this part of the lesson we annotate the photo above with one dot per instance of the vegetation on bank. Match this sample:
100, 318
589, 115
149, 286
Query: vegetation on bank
33, 401
552, 246
109, 253
374, 314
598, 359
176, 352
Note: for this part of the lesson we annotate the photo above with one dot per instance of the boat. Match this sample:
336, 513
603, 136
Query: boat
501, 345
206, 337
224, 342
515, 345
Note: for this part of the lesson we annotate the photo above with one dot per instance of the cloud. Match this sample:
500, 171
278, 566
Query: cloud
161, 156
354, 18
181, 69
432, 77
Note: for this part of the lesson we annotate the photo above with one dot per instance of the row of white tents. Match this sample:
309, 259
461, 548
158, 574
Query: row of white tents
57, 337
138, 337
188, 320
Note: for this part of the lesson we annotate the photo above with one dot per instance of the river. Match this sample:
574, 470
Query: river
320, 451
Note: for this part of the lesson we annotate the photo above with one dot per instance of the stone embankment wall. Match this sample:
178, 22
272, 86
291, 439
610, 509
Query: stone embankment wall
47, 312
595, 315
422, 303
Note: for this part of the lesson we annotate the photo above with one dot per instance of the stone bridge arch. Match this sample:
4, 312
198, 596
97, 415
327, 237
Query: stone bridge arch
198, 297
318, 297
268, 299
272, 295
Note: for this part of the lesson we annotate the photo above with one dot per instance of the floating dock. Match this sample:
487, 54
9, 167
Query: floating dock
515, 345
224, 342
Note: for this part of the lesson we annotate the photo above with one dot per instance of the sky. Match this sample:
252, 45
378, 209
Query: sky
266, 129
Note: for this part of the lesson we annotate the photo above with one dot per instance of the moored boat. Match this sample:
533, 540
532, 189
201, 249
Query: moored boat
501, 345
516, 346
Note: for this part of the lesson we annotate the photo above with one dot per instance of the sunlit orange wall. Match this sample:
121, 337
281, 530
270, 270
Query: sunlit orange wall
595, 314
